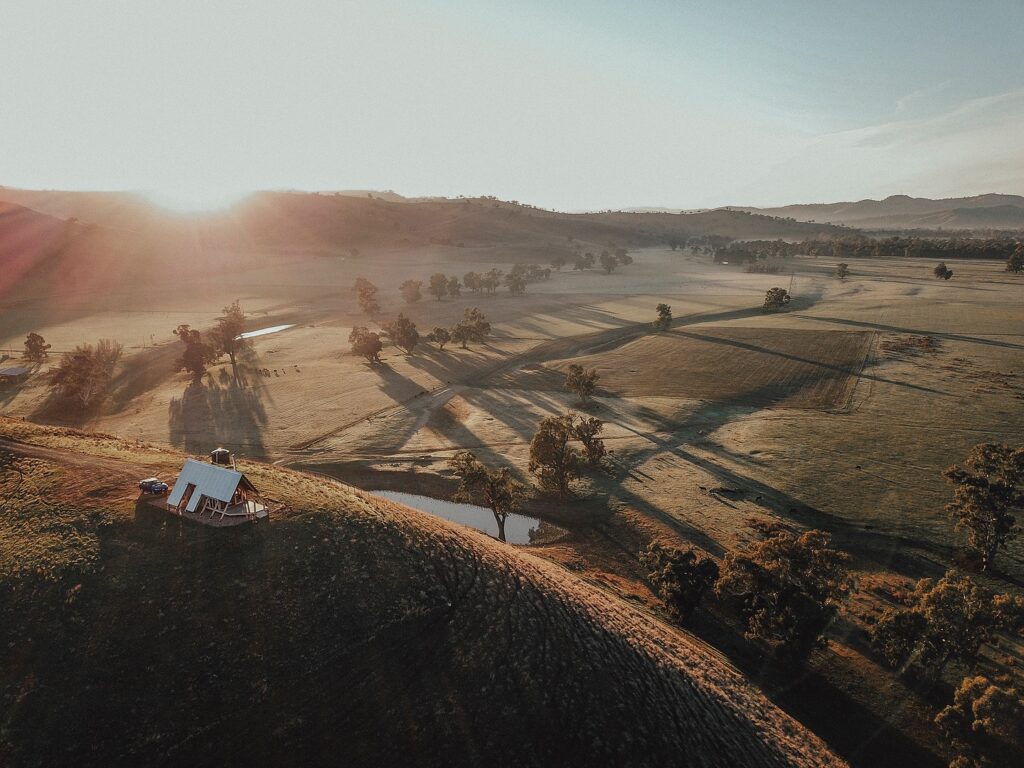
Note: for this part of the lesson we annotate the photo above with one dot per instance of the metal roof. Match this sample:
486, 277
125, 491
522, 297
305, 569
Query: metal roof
14, 371
210, 480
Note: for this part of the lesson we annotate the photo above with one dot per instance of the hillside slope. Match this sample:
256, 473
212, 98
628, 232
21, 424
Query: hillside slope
990, 211
298, 220
350, 631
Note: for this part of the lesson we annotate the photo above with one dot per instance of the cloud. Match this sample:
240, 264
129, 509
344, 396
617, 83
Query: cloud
975, 147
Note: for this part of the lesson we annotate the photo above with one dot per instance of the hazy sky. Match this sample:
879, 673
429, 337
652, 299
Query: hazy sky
566, 104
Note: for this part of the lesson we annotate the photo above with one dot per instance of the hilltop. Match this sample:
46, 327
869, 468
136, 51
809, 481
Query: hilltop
350, 631
991, 211
301, 220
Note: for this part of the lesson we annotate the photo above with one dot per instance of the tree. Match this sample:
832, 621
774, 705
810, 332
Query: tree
365, 343
367, 294
942, 272
472, 281
197, 355
496, 488
788, 589
438, 287
1015, 262
555, 462
557, 263
84, 374
987, 490
402, 333
581, 381
608, 262
776, 298
842, 270
35, 348
516, 283
473, 327
586, 429
454, 289
227, 334
941, 622
490, 280
664, 320
586, 261
985, 723
410, 290
439, 336
680, 578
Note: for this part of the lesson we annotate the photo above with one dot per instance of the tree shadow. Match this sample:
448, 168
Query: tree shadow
918, 332
863, 736
218, 412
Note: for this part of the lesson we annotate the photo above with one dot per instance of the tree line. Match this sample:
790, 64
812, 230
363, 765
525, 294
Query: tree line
863, 247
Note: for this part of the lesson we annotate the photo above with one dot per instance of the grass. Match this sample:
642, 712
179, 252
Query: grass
348, 631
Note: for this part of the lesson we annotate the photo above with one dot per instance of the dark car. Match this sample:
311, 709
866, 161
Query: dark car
153, 485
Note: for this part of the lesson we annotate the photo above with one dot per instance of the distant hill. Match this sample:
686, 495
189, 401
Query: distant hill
992, 211
340, 220
348, 631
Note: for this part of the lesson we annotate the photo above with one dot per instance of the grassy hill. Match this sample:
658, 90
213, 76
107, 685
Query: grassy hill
990, 211
349, 631
296, 220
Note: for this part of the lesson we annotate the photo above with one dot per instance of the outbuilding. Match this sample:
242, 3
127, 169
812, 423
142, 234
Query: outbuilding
208, 489
14, 375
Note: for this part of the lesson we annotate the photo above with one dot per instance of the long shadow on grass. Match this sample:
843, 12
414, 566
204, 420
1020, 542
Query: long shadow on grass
861, 735
888, 551
220, 412
918, 331
848, 370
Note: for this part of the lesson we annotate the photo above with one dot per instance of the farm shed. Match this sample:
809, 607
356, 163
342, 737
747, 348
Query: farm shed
206, 488
14, 375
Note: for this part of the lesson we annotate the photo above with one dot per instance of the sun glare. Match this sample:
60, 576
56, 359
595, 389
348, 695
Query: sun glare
195, 199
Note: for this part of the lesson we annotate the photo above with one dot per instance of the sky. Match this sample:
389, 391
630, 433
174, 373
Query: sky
566, 104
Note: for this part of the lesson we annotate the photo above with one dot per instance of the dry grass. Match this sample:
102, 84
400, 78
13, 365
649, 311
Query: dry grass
755, 367
350, 630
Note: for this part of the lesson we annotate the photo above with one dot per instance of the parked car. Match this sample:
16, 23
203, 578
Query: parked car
153, 485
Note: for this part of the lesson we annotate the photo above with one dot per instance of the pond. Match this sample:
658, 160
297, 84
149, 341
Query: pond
517, 528
265, 331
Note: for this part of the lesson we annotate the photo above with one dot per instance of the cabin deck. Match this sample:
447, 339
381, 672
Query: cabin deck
236, 514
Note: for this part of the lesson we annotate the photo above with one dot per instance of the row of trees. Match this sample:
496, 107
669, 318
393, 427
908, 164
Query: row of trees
403, 333
859, 246
441, 286
608, 260
785, 589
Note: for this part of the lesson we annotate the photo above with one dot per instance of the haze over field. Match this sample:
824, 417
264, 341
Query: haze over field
407, 383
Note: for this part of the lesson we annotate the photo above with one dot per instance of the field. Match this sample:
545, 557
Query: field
838, 413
